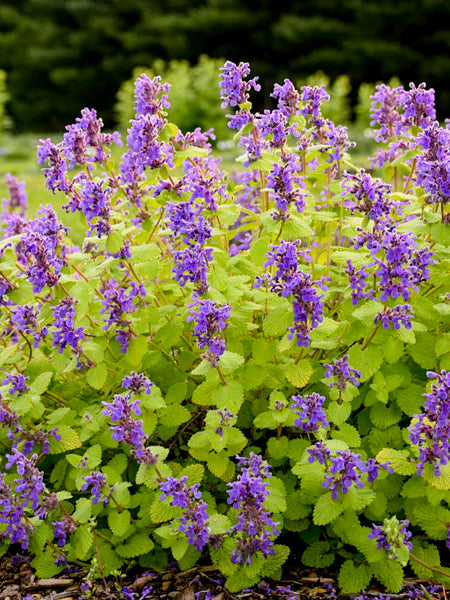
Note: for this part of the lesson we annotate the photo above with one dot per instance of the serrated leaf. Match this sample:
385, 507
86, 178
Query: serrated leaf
384, 416
353, 578
348, 434
368, 311
278, 447
69, 440
442, 481
119, 522
41, 383
82, 541
230, 361
338, 413
194, 473
96, 376
318, 555
217, 463
114, 241
272, 564
398, 459
429, 555
276, 500
137, 544
277, 321
326, 509
219, 524
44, 565
299, 374
389, 572
432, 519
229, 396
83, 510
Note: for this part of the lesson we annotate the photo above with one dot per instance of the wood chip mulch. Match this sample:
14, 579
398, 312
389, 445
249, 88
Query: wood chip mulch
18, 582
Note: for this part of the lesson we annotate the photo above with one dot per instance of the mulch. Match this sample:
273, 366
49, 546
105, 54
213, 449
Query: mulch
198, 583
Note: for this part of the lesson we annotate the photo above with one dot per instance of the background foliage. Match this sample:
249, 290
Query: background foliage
63, 55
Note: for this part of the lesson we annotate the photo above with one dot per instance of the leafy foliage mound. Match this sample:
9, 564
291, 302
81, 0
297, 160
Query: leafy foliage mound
232, 363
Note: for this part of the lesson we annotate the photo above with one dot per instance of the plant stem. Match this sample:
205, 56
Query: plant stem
435, 569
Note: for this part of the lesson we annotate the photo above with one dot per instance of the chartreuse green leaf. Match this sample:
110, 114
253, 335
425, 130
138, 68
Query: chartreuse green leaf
137, 544
390, 573
428, 554
44, 565
119, 522
69, 440
326, 509
399, 460
318, 555
299, 374
353, 578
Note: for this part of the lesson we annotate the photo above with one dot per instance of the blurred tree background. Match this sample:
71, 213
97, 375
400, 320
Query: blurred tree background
61, 55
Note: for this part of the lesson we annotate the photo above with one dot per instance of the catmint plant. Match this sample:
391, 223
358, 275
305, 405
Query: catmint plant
232, 363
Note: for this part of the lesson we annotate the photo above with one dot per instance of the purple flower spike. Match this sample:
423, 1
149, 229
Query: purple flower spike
393, 535
254, 523
137, 383
343, 372
210, 319
309, 409
194, 521
234, 90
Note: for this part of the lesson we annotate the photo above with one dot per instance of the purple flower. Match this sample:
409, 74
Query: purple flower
386, 112
312, 98
343, 372
345, 469
128, 429
433, 166
137, 383
254, 523
95, 203
100, 489
194, 521
397, 316
225, 418
56, 172
309, 409
431, 431
191, 264
288, 98
62, 529
392, 536
234, 89
10, 419
288, 188
65, 333
150, 95
17, 197
24, 318
371, 194
18, 383
210, 319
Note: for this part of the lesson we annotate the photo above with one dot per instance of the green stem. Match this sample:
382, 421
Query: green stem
435, 569
370, 338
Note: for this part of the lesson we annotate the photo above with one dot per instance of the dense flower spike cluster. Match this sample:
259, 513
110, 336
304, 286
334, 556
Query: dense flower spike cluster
392, 536
254, 524
368, 195
210, 319
17, 197
344, 469
234, 88
100, 489
118, 301
289, 281
65, 333
288, 188
194, 521
433, 166
343, 372
173, 245
309, 409
40, 249
129, 429
430, 431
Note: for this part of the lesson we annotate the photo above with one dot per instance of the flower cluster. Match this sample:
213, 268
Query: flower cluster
343, 372
100, 489
431, 431
210, 319
233, 85
17, 197
117, 302
288, 188
309, 409
129, 429
344, 469
254, 523
289, 281
393, 535
24, 319
62, 529
17, 382
368, 195
194, 522
433, 166
65, 333
40, 249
